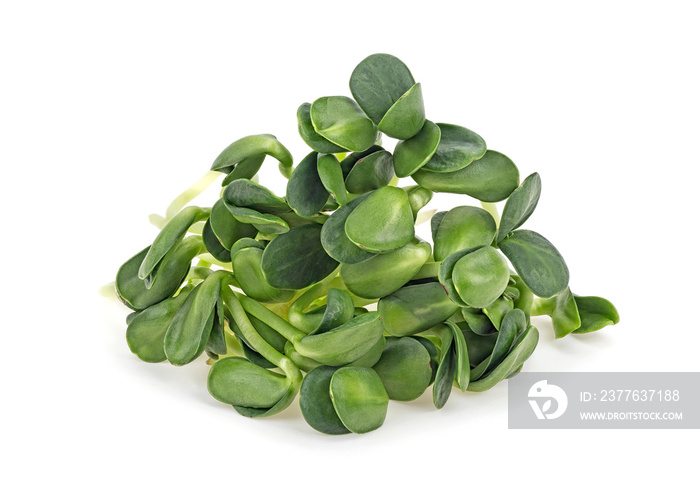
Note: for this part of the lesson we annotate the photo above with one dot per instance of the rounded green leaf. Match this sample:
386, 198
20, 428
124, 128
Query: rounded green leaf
345, 343
457, 149
331, 175
170, 235
247, 269
244, 193
306, 194
414, 153
490, 179
382, 222
235, 381
336, 242
406, 117
596, 313
404, 368
146, 331
513, 325
227, 229
263, 222
252, 147
418, 197
296, 259
463, 227
339, 120
359, 398
173, 269
316, 404
520, 205
190, 328
312, 138
519, 353
413, 309
370, 172
385, 273
480, 277
378, 82
537, 261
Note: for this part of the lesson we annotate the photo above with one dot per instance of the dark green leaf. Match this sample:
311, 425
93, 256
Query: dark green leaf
252, 147
406, 117
382, 222
414, 153
359, 398
312, 138
404, 368
336, 242
305, 191
480, 277
491, 178
339, 120
520, 205
596, 313
296, 259
413, 309
316, 404
373, 171
458, 147
331, 175
463, 227
537, 261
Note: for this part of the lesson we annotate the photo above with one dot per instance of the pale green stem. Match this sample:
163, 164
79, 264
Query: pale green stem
108, 291
543, 306
191, 193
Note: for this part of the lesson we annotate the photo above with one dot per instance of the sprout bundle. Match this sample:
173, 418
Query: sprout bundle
327, 292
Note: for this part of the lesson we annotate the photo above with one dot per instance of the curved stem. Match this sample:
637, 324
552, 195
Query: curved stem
191, 193
429, 270
543, 306
275, 322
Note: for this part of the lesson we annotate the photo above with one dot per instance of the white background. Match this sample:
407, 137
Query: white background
109, 109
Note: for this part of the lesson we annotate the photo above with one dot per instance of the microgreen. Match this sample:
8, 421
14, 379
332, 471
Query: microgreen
279, 291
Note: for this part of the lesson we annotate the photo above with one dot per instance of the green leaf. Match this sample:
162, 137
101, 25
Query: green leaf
490, 179
349, 162
520, 205
339, 120
227, 229
339, 309
296, 259
442, 387
462, 369
247, 269
458, 148
513, 325
359, 398
331, 175
414, 153
245, 169
416, 308
372, 171
404, 369
252, 147
316, 404
382, 222
478, 322
520, 352
537, 261
406, 117
596, 313
191, 326
463, 227
378, 82
385, 273
312, 138
213, 245
235, 381
305, 192
171, 273
565, 318
336, 242
243, 193
345, 343
170, 235
146, 331
418, 197
265, 223
480, 277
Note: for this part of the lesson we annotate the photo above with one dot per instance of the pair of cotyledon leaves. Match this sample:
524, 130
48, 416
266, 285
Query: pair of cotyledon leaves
473, 271
386, 99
